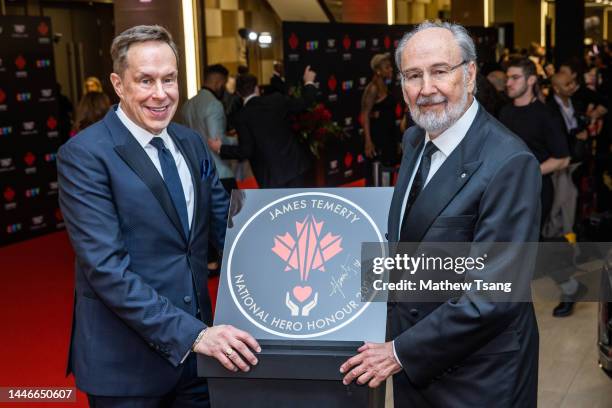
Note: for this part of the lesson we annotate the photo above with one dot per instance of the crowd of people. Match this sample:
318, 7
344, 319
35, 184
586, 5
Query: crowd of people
146, 205
561, 112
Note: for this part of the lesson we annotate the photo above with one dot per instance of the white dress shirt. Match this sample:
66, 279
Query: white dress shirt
567, 112
446, 142
144, 138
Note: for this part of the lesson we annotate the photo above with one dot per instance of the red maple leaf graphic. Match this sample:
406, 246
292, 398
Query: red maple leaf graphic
332, 83
348, 160
387, 42
9, 194
20, 62
346, 42
43, 28
51, 123
293, 41
2, 96
29, 158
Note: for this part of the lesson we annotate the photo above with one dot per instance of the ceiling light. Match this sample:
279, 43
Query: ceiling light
265, 39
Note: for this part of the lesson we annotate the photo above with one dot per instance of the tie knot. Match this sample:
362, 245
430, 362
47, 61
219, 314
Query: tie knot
158, 143
430, 149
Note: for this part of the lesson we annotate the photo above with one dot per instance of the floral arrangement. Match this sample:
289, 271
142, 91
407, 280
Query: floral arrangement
315, 126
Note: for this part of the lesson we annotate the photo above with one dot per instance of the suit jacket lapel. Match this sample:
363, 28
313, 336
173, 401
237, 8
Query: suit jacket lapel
454, 173
411, 153
136, 158
191, 159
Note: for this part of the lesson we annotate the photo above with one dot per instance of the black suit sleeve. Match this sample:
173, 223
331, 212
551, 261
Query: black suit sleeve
245, 149
296, 105
508, 212
556, 135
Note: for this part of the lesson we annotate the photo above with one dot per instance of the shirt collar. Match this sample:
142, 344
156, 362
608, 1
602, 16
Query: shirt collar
448, 140
248, 98
142, 136
569, 106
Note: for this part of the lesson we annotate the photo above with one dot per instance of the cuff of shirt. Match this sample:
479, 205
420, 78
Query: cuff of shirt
395, 355
187, 355
310, 83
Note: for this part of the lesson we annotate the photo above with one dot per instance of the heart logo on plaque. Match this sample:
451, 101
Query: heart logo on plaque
302, 293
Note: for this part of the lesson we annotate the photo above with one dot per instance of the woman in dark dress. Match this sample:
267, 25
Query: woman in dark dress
378, 114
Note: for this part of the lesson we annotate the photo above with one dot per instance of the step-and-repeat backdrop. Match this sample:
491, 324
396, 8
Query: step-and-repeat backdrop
340, 54
29, 129
31, 132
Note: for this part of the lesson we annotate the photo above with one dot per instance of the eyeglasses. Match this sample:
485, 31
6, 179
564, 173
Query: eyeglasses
437, 73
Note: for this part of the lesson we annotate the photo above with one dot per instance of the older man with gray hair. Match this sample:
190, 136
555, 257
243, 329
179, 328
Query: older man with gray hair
463, 178
141, 196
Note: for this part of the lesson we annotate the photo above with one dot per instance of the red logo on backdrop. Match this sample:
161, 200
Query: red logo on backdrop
43, 28
398, 110
332, 83
58, 215
51, 123
293, 41
2, 96
346, 42
29, 158
387, 42
348, 160
20, 62
9, 194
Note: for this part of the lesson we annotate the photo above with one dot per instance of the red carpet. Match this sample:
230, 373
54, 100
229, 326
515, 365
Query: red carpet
36, 298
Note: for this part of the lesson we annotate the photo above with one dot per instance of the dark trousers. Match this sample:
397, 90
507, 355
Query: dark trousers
189, 392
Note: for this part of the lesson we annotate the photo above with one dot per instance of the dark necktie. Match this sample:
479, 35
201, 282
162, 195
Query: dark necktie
172, 180
419, 181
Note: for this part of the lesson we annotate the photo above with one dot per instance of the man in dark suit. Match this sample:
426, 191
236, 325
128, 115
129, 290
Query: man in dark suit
463, 178
277, 81
563, 106
265, 137
139, 195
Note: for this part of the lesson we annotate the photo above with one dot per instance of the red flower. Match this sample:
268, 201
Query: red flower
314, 127
320, 132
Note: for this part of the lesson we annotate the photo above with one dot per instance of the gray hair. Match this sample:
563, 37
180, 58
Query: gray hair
461, 35
138, 34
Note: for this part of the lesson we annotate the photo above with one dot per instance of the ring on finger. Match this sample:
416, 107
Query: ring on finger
228, 352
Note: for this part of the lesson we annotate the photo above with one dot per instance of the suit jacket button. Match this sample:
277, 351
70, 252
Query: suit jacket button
414, 312
187, 299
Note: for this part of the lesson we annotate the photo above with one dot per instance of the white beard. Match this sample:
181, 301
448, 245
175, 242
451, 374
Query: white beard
437, 122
